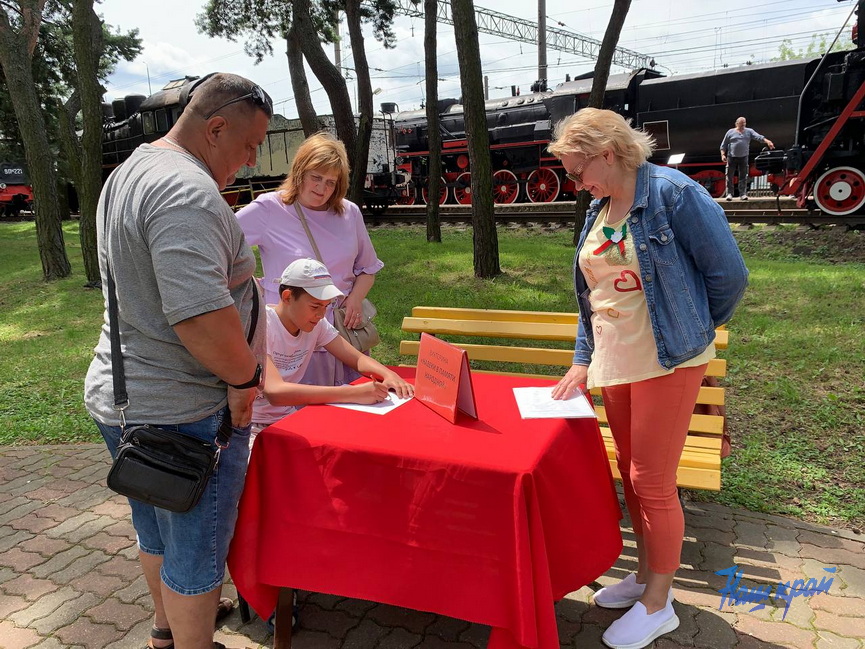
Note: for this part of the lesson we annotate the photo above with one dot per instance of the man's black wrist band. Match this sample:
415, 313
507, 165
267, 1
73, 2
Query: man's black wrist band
254, 382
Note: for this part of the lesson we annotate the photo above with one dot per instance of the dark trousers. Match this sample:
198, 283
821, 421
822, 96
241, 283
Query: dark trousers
737, 167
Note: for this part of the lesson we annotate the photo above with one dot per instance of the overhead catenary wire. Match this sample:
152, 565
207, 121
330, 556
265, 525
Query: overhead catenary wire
679, 49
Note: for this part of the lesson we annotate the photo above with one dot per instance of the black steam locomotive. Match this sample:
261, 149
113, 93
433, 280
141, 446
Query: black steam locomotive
135, 119
825, 166
687, 115
809, 108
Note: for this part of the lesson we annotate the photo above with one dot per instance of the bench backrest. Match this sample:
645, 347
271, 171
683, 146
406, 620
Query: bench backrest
499, 334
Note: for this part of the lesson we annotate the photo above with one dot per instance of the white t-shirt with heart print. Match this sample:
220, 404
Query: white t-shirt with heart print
625, 349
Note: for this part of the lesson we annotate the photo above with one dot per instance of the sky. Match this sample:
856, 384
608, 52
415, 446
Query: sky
682, 36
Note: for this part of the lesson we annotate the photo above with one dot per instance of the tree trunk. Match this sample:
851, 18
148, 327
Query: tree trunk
364, 99
329, 77
485, 237
16, 52
599, 87
581, 206
68, 138
299, 84
88, 46
434, 136
605, 55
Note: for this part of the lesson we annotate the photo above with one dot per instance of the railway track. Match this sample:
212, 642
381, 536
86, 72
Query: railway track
757, 210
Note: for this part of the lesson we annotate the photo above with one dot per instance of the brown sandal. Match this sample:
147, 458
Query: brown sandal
223, 609
160, 634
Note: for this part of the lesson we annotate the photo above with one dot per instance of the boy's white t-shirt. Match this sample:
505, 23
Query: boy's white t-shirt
291, 356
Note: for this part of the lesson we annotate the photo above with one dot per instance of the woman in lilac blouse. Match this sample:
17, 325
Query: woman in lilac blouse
317, 183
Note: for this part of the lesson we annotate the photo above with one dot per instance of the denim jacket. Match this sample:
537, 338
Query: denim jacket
692, 272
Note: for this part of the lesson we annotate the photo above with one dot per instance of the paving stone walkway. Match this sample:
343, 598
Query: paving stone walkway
69, 578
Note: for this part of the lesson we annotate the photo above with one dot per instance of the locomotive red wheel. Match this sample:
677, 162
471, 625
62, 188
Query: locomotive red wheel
463, 188
713, 180
407, 196
443, 193
543, 185
840, 191
506, 187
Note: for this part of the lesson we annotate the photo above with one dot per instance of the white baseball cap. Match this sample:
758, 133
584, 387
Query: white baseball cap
313, 277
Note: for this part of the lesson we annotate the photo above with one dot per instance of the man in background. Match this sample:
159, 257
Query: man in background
734, 151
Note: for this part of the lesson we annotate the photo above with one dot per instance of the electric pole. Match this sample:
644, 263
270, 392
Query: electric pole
542, 43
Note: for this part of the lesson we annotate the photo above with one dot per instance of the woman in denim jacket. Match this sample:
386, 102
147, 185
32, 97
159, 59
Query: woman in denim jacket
656, 270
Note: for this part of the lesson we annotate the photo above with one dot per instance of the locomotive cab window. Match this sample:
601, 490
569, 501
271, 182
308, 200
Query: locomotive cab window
161, 120
147, 122
661, 132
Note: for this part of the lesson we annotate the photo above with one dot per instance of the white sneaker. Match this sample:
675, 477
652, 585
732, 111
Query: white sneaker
744, 197
621, 595
729, 197
637, 629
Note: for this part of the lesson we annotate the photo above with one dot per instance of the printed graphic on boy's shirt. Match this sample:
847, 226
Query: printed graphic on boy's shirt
289, 362
613, 249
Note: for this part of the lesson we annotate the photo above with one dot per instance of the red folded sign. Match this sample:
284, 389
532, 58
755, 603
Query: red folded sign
443, 382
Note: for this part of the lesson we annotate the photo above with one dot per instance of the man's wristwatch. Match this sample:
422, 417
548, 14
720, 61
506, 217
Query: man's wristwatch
254, 382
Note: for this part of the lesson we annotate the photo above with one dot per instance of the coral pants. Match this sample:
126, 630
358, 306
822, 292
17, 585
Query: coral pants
649, 422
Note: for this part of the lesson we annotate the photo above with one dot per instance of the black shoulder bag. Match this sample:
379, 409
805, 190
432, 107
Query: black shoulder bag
159, 467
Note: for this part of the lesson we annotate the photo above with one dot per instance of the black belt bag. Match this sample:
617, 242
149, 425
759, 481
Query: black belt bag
164, 468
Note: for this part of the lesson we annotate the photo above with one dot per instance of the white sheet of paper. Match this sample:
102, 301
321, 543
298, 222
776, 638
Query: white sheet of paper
380, 408
538, 403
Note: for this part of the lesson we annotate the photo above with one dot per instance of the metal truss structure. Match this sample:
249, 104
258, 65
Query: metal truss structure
525, 31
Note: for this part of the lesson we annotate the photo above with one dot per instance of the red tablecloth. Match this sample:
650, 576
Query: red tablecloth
488, 521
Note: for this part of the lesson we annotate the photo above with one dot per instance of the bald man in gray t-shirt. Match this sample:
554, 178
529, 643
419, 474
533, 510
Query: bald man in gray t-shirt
184, 283
734, 152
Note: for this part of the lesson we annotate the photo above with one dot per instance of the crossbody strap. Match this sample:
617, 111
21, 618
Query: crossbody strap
118, 373
308, 233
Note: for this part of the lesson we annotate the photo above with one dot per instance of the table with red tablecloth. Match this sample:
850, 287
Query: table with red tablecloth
488, 520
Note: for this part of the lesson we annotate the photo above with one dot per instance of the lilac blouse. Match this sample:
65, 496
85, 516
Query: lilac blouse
276, 229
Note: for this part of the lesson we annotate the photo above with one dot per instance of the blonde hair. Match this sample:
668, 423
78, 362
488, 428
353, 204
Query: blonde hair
590, 131
323, 153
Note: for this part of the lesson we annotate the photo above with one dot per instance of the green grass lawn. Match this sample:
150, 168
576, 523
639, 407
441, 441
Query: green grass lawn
796, 401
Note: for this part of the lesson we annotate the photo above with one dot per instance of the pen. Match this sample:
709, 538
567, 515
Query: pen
371, 375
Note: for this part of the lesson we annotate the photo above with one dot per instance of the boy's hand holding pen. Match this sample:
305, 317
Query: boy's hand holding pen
370, 392
392, 381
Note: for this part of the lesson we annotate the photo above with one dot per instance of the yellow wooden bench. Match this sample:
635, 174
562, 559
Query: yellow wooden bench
700, 466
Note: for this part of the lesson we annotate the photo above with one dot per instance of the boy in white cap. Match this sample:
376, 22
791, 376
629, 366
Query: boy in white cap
295, 328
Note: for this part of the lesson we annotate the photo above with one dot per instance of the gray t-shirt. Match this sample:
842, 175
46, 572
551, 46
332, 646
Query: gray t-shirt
176, 251
736, 144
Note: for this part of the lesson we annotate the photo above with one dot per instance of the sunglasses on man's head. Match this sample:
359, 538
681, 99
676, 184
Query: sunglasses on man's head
257, 96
